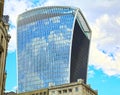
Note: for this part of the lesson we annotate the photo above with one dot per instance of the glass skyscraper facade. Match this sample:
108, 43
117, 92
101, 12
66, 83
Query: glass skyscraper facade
52, 47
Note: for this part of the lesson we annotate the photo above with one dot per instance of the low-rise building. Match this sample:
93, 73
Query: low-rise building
10, 93
76, 88
36, 92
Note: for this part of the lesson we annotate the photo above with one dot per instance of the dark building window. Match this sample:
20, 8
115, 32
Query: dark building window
64, 91
76, 89
44, 93
0, 55
40, 93
70, 90
59, 91
1, 42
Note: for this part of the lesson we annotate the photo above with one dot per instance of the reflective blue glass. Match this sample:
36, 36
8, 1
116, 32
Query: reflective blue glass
44, 47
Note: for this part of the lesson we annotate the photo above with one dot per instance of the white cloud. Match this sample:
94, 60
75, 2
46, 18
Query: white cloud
103, 19
91, 73
36, 43
55, 2
102, 61
105, 32
118, 20
14, 89
13, 8
104, 52
12, 43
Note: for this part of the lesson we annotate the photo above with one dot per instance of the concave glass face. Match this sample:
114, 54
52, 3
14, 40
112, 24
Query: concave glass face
52, 47
43, 50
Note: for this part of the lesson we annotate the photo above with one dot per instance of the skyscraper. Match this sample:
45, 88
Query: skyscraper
52, 47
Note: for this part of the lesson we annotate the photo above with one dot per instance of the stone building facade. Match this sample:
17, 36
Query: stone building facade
1, 8
36, 92
10, 93
4, 39
75, 88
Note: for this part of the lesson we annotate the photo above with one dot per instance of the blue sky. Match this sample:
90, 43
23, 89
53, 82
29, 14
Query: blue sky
103, 17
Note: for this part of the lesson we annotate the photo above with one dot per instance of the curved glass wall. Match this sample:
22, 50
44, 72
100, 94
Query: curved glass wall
44, 40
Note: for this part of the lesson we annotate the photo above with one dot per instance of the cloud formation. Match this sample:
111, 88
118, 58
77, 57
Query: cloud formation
101, 16
105, 45
13, 8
